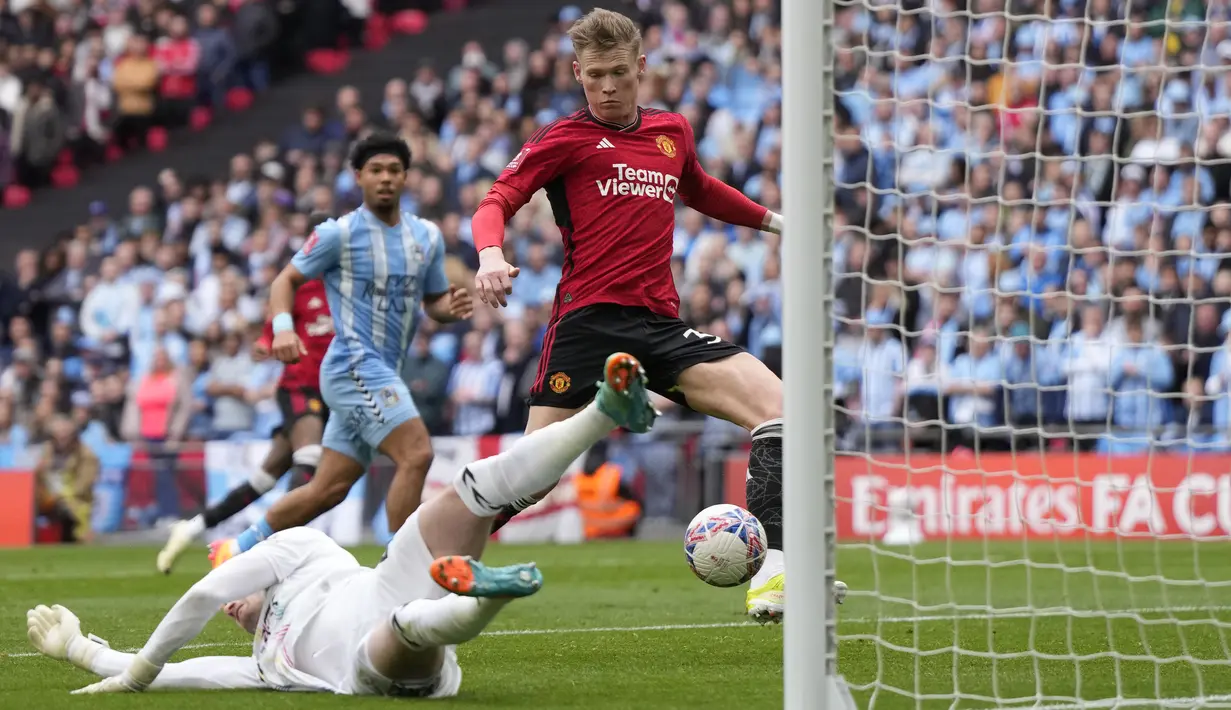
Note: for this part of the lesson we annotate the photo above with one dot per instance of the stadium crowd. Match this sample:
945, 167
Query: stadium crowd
84, 81
1032, 213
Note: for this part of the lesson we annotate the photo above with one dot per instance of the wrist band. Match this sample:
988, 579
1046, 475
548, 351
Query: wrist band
283, 322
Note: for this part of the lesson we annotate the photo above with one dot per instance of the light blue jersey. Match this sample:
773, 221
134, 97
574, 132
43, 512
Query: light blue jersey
376, 277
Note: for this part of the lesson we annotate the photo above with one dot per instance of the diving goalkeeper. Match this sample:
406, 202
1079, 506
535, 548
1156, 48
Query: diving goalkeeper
321, 622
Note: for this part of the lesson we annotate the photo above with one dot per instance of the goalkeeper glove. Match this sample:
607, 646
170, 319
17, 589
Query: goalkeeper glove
136, 678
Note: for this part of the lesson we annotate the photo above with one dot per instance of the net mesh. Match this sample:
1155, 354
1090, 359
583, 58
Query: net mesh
1032, 256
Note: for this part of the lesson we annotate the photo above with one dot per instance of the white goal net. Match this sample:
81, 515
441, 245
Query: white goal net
1032, 263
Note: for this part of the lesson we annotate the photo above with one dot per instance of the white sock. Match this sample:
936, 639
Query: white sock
448, 621
775, 564
534, 463
197, 525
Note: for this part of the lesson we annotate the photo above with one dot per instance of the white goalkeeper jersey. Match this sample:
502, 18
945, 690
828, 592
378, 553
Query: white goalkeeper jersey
318, 607
309, 627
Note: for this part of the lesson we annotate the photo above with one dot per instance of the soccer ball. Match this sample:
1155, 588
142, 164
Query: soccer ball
725, 545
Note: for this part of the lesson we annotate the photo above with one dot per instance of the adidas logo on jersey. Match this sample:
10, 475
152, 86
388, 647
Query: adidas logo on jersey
604, 143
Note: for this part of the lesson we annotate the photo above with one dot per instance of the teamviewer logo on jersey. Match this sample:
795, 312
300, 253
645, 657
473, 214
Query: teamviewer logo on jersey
635, 182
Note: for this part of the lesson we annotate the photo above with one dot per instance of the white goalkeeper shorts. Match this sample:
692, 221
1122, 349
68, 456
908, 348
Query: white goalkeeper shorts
402, 576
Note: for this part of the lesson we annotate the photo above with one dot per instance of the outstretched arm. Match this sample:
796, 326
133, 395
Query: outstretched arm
243, 576
56, 633
204, 673
714, 198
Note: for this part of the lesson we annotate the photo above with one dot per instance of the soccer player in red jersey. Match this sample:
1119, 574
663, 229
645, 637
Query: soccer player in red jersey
612, 172
297, 444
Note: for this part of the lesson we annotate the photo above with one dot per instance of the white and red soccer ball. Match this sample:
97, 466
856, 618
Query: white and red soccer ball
725, 545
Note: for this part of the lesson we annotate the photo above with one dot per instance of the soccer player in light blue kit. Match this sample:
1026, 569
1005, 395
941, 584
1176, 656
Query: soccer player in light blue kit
378, 265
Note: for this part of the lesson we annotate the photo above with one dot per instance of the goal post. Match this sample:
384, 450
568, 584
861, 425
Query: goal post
810, 672
1007, 369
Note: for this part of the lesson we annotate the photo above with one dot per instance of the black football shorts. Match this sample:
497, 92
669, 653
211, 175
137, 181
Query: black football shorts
299, 402
576, 347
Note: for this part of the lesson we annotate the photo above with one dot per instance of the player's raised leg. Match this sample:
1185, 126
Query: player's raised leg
411, 655
742, 390
56, 633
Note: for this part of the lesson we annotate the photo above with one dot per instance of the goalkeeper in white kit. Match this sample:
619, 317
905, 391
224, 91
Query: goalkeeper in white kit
321, 622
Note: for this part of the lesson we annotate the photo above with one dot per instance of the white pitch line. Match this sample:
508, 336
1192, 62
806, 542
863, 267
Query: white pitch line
741, 624
1028, 613
1113, 703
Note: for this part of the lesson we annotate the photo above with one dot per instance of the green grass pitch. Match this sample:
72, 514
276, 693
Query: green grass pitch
625, 625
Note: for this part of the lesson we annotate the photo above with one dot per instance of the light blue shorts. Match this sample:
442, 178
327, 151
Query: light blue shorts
365, 405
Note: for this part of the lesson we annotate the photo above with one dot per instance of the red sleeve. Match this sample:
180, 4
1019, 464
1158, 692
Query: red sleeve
541, 160
711, 196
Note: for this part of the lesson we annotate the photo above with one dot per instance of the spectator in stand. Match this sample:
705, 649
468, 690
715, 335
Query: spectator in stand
520, 369
201, 422
19, 382
312, 136
428, 380
64, 481
883, 364
473, 388
230, 373
157, 413
90, 102
1027, 374
218, 55
260, 393
178, 57
37, 135
1140, 374
135, 82
1086, 362
536, 284
972, 387
108, 310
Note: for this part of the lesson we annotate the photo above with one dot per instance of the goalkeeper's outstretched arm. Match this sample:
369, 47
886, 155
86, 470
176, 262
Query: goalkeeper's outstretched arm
239, 578
56, 632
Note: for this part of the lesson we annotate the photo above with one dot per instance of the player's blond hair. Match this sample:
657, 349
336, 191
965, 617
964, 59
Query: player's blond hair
602, 30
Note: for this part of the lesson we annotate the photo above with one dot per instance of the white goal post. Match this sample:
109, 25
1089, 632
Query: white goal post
810, 637
1007, 309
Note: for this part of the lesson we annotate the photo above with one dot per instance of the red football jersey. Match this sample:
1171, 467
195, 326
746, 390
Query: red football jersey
314, 326
612, 190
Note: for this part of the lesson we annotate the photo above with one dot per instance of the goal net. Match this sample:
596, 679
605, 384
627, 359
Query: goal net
1032, 272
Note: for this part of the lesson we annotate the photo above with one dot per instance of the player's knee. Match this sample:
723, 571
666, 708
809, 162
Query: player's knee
261, 481
307, 456
416, 463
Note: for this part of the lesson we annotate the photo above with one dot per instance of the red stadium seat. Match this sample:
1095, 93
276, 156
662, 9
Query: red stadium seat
113, 152
65, 157
16, 197
376, 32
455, 5
327, 61
409, 22
238, 99
156, 139
200, 118
64, 176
